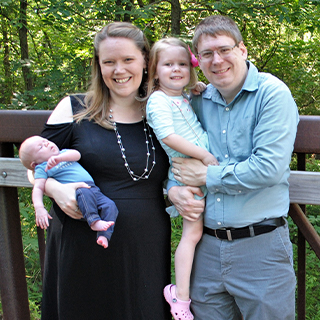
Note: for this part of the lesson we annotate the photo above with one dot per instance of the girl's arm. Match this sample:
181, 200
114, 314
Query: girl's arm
182, 145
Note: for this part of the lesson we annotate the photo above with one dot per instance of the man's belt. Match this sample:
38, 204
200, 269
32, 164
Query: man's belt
245, 232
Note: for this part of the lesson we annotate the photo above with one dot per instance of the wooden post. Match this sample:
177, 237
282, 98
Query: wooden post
14, 294
301, 294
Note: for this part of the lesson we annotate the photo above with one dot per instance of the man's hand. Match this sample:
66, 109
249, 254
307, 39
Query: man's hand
183, 199
189, 171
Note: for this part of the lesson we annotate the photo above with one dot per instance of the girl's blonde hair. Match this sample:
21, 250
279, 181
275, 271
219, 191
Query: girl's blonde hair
97, 99
153, 84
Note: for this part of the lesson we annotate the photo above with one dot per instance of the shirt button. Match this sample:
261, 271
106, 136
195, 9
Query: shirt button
227, 109
239, 191
226, 156
219, 223
224, 131
217, 189
218, 199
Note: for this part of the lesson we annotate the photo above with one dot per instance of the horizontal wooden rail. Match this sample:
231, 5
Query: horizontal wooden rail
18, 125
13, 173
308, 135
304, 187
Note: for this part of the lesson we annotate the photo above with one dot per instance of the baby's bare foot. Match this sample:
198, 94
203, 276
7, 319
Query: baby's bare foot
101, 225
103, 241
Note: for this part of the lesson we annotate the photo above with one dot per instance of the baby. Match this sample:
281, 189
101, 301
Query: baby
45, 158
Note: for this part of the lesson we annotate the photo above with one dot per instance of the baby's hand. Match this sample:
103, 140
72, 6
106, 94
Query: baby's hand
210, 160
52, 162
200, 87
42, 218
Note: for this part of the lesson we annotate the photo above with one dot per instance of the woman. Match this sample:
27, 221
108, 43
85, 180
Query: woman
119, 150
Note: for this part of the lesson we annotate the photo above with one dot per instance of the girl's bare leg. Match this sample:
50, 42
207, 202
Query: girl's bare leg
191, 234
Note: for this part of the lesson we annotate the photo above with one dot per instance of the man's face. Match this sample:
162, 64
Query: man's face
226, 72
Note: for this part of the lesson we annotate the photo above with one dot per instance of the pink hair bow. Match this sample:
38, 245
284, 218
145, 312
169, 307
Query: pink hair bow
194, 61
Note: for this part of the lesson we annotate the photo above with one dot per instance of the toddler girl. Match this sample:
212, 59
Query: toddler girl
171, 70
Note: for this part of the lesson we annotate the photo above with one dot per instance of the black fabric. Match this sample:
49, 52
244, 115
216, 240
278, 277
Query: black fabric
84, 281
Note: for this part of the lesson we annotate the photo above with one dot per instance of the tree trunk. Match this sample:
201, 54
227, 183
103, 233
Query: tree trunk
175, 17
23, 36
6, 91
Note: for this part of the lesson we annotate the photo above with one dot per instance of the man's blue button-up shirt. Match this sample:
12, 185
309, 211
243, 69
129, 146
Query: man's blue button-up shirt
252, 137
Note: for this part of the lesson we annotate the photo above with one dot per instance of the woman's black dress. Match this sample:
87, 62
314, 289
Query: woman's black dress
84, 281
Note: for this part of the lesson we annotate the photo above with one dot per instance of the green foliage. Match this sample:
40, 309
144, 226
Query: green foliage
282, 37
312, 264
31, 251
176, 232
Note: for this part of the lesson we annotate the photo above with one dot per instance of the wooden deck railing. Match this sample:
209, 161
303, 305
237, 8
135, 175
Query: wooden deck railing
15, 126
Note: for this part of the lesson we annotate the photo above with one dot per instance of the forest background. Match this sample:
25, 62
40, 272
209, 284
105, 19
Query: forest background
46, 51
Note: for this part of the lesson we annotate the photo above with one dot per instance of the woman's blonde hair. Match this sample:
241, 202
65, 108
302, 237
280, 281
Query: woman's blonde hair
153, 84
97, 98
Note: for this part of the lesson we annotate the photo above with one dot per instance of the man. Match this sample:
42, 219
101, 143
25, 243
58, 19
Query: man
243, 264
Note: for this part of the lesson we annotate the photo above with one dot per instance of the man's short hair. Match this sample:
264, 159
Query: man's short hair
216, 25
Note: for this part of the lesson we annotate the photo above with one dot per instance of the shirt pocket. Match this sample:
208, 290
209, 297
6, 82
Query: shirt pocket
242, 138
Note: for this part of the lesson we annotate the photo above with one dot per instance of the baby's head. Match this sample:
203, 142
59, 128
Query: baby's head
160, 47
36, 150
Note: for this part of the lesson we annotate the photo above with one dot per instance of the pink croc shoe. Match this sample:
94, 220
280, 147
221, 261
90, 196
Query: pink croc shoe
180, 309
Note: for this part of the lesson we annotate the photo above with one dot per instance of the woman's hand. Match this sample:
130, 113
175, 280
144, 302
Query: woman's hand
189, 171
65, 196
183, 199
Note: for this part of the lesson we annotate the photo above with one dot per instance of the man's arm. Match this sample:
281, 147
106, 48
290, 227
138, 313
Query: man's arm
274, 124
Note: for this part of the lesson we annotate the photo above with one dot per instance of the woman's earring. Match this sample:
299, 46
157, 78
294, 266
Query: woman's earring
145, 71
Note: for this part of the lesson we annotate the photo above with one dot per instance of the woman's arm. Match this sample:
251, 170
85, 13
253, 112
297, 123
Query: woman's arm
65, 196
62, 112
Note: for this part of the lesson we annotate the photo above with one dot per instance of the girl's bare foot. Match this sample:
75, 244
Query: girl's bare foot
101, 225
103, 241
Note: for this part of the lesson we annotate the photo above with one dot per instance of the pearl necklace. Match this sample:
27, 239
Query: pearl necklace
146, 173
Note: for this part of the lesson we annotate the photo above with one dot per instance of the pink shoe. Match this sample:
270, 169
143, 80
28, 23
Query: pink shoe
180, 309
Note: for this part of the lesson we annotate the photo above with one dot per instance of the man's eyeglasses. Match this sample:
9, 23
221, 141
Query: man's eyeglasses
223, 52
